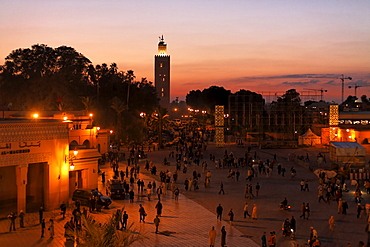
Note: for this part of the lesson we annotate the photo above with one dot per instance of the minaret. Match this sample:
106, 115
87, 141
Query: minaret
162, 74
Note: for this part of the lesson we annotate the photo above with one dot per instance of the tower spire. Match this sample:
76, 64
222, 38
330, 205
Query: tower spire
162, 46
161, 39
162, 73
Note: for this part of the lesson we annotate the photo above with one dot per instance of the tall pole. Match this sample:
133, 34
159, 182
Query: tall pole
342, 78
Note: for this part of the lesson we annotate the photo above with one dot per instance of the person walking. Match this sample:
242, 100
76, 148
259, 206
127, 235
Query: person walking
103, 177
21, 218
12, 216
221, 189
92, 204
293, 223
301, 183
176, 192
320, 194
41, 214
124, 220
156, 223
263, 240
142, 213
283, 170
246, 191
131, 196
43, 226
344, 207
340, 203
258, 187
159, 192
331, 223
237, 175
246, 210
63, 209
308, 210
272, 239
359, 210
254, 212
219, 210
223, 236
159, 208
148, 193
186, 183
231, 215
212, 237
306, 186
51, 228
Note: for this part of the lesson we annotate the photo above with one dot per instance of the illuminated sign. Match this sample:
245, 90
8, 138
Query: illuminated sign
22, 151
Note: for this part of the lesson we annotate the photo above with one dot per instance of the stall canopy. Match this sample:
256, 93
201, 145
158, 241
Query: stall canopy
348, 152
348, 149
309, 139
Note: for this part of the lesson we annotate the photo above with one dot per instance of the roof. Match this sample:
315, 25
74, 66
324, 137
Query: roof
309, 133
27, 120
346, 145
87, 153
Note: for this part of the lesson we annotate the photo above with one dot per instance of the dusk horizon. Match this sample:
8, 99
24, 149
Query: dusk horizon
261, 47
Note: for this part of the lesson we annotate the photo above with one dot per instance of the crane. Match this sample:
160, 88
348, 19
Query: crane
342, 78
318, 90
357, 86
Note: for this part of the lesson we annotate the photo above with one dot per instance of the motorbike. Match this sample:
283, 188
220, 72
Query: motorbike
284, 206
289, 232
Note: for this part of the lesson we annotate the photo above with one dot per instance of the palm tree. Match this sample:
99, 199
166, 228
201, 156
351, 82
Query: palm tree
96, 234
129, 78
160, 121
87, 102
119, 106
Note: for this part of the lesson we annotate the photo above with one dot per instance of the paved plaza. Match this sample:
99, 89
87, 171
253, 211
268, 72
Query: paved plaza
186, 222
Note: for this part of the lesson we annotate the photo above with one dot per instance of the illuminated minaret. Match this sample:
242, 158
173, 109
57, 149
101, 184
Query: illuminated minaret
162, 74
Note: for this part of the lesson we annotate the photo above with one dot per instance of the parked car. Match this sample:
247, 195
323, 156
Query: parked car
84, 196
115, 189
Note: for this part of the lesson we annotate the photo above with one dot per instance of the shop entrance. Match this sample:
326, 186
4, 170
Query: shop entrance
8, 191
35, 187
75, 181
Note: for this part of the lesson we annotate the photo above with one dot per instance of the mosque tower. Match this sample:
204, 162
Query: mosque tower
162, 74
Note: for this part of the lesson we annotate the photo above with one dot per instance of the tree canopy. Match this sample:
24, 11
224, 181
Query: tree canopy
45, 78
208, 98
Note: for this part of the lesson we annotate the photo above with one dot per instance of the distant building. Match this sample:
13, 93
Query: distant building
162, 74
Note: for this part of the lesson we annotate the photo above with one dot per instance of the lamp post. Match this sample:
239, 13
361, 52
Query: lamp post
71, 158
143, 115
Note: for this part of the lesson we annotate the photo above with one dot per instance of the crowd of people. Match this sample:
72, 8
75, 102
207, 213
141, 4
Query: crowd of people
188, 155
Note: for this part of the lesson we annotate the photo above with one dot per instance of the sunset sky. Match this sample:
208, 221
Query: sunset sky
262, 46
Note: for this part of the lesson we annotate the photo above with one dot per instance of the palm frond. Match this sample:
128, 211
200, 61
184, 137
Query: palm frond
106, 234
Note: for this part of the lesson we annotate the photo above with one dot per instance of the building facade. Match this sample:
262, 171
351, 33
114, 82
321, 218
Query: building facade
44, 159
162, 79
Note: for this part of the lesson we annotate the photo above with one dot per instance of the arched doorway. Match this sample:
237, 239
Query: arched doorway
86, 144
72, 145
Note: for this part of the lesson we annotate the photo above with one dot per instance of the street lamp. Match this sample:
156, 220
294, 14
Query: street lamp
71, 158
143, 129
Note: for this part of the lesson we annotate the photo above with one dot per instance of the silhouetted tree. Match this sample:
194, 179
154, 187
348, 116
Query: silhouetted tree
364, 99
287, 114
350, 101
208, 98
46, 78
